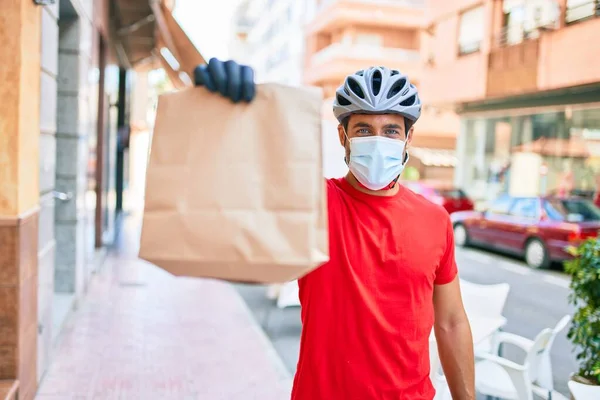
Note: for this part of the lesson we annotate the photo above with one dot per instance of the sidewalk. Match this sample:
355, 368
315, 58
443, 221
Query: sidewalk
140, 333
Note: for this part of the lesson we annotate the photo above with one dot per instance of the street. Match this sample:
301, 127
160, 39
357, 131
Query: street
537, 300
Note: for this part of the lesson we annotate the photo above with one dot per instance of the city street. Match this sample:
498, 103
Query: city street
537, 300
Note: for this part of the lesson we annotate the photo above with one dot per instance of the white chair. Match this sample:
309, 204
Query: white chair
442, 391
273, 291
288, 295
485, 300
488, 300
499, 377
544, 377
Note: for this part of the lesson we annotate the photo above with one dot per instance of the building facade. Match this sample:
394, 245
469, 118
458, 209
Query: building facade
523, 78
67, 69
344, 36
269, 36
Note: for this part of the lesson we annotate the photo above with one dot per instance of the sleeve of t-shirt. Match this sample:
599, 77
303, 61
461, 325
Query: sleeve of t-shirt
447, 269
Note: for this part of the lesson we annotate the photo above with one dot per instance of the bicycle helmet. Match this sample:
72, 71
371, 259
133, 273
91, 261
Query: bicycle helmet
377, 90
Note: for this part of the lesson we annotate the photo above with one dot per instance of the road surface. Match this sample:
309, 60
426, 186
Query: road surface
537, 300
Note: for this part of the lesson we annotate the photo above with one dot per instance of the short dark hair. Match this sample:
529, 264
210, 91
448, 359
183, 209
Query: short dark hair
407, 124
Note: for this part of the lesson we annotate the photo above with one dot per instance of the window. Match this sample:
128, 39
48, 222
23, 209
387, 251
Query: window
524, 18
571, 210
525, 208
471, 30
501, 205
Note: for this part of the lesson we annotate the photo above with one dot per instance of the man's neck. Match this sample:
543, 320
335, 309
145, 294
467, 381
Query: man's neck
383, 192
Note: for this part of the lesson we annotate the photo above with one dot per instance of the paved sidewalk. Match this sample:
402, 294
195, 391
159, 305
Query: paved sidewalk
140, 333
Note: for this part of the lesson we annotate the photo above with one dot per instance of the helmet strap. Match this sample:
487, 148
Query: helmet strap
393, 184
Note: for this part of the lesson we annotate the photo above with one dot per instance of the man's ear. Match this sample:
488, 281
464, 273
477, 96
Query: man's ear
342, 135
409, 135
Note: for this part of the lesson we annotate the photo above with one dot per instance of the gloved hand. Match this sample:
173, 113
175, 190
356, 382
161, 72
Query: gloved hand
230, 79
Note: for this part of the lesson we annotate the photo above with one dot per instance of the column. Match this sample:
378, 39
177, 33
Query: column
71, 147
74, 128
47, 164
19, 192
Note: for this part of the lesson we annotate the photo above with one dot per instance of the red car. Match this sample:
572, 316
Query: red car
450, 198
537, 228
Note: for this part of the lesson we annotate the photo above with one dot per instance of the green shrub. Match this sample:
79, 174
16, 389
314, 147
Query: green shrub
584, 332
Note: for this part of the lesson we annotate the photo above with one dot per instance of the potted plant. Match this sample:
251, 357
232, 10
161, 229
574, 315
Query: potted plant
584, 333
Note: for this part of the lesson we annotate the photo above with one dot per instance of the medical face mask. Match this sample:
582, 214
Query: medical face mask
376, 161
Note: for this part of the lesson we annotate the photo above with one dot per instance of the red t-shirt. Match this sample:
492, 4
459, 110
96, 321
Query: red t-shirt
367, 314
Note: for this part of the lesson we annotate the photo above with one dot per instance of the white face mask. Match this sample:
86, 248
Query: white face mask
376, 161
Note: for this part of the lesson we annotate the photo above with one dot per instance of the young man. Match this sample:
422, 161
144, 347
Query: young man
367, 314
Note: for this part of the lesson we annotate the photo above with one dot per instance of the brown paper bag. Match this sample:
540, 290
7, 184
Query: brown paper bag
236, 192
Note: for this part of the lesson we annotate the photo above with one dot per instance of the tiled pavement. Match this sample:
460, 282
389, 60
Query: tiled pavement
140, 333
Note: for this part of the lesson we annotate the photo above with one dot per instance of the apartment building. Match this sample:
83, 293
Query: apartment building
523, 76
269, 37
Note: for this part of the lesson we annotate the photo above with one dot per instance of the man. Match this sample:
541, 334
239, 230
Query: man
367, 314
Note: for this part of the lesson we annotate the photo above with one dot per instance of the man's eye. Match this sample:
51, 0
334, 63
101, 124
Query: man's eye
392, 132
363, 131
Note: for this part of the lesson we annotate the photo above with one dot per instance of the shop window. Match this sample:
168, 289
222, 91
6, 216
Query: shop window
471, 30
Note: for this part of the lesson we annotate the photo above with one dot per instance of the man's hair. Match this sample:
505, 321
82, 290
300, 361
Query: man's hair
407, 124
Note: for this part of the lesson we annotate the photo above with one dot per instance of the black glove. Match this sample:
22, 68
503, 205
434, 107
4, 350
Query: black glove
230, 79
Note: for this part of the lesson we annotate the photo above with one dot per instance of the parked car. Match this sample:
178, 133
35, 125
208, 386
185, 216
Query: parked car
537, 228
451, 198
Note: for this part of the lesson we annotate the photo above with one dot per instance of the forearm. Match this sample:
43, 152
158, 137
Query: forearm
455, 347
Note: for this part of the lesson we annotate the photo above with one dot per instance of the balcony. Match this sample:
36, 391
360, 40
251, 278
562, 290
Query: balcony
547, 57
582, 12
337, 60
514, 60
331, 15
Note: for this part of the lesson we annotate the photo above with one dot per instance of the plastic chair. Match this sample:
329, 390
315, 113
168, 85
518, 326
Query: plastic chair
542, 376
499, 377
442, 391
288, 295
486, 300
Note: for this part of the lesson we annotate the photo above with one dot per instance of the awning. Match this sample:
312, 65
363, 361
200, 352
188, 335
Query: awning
176, 48
146, 32
434, 157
